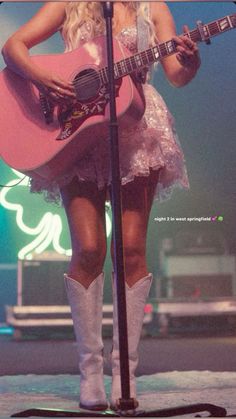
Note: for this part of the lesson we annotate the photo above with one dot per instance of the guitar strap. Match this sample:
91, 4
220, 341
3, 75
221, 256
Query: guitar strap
143, 30
143, 34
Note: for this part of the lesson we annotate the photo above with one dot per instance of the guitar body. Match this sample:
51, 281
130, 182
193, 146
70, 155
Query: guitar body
46, 150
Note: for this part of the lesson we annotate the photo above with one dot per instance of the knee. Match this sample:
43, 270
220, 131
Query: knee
90, 257
134, 254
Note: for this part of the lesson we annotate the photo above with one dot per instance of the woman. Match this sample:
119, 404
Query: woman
151, 164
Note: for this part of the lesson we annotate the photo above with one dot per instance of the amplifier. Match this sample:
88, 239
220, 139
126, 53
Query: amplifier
204, 286
40, 282
8, 278
200, 275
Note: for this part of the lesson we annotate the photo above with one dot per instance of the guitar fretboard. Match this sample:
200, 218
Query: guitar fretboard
202, 33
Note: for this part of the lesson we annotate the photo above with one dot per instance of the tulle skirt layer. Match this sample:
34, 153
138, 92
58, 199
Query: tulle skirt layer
151, 145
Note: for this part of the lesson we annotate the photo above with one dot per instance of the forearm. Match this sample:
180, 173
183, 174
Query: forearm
179, 75
181, 67
40, 27
17, 58
184, 76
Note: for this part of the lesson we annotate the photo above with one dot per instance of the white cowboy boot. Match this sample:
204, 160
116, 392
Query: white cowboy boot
135, 299
86, 310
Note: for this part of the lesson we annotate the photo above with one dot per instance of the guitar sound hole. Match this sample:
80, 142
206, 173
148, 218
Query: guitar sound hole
87, 84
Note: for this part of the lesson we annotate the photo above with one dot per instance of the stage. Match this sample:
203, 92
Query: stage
173, 371
156, 391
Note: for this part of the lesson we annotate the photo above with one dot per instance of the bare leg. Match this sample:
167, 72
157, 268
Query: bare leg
85, 209
137, 198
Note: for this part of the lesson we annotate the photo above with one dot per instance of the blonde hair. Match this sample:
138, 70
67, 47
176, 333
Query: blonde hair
88, 16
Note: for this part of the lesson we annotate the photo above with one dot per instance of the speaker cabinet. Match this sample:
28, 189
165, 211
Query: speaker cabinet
40, 282
210, 276
201, 286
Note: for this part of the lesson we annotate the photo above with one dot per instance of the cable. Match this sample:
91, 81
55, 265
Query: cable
15, 184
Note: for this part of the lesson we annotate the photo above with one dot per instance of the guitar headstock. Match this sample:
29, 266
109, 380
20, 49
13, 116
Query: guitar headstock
233, 20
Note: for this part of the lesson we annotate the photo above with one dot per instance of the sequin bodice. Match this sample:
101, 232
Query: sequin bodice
128, 37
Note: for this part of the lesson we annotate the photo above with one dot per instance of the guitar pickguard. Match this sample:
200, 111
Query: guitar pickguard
71, 118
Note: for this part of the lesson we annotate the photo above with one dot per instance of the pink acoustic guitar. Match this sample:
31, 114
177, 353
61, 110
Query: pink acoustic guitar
41, 140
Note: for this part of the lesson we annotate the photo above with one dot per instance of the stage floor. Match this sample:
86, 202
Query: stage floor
156, 391
171, 372
156, 355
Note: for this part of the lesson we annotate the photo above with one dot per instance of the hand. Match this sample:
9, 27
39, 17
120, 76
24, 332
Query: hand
187, 51
55, 88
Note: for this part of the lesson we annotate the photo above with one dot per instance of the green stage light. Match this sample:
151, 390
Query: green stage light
48, 230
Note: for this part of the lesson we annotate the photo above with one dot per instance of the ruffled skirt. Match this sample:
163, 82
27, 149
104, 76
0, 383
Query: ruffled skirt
152, 144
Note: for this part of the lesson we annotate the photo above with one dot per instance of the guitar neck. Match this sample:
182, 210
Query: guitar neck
202, 33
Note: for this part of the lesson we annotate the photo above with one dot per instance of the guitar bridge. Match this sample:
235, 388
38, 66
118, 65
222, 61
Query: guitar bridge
47, 108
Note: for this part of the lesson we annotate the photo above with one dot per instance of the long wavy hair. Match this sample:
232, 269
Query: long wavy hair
88, 15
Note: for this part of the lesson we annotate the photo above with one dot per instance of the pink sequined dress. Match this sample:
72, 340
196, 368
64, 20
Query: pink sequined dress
151, 144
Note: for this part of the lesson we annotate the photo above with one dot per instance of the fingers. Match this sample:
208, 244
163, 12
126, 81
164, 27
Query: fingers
60, 91
187, 50
63, 88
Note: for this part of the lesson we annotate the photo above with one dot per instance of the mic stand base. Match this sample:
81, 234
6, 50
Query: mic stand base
215, 411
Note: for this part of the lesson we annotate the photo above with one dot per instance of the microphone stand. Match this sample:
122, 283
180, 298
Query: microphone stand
125, 403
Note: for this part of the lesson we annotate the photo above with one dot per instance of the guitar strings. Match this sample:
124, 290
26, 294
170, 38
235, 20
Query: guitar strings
146, 58
144, 55
98, 76
213, 28
147, 54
